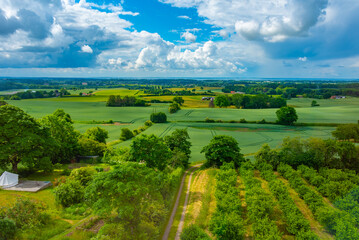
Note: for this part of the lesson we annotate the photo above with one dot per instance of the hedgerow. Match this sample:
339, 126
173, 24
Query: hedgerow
259, 206
338, 222
226, 222
296, 222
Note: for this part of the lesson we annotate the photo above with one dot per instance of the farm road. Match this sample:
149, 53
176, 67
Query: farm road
174, 210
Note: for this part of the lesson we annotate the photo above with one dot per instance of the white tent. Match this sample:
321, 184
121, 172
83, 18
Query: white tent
8, 180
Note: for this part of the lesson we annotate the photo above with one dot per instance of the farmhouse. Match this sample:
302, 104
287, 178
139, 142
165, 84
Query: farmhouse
337, 97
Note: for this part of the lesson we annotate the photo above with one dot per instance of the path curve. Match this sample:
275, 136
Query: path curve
174, 210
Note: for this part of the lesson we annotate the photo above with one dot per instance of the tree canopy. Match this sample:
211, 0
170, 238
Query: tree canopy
222, 149
287, 115
151, 150
23, 139
179, 140
221, 101
159, 117
178, 100
96, 133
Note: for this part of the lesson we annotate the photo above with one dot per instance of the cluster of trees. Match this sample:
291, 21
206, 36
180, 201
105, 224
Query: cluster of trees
226, 222
312, 152
289, 89
138, 192
37, 94
159, 117
286, 115
176, 103
331, 183
173, 150
249, 102
347, 132
160, 91
338, 222
259, 206
126, 101
222, 149
38, 144
296, 223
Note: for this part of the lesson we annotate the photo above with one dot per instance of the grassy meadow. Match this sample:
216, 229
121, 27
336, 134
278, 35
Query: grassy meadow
84, 110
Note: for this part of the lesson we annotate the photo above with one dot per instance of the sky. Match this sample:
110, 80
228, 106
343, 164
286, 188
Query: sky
180, 38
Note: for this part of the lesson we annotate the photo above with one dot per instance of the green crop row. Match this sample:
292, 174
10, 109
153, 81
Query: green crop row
259, 206
336, 221
296, 222
331, 183
226, 222
335, 189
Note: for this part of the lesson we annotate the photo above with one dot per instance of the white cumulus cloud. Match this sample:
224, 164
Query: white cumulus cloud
189, 37
86, 49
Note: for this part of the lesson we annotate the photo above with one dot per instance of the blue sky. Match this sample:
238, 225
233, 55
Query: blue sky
180, 38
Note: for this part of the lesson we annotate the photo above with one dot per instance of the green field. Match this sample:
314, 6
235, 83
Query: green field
249, 136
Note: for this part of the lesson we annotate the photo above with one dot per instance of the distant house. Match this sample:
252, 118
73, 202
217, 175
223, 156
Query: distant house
84, 83
337, 97
233, 92
208, 99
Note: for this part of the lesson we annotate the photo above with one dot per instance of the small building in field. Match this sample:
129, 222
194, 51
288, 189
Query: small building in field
337, 97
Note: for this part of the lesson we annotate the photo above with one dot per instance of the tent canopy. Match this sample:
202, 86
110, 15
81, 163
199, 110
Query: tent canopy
8, 179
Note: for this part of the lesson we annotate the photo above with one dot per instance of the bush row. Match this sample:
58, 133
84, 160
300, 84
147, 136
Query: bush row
337, 222
297, 224
226, 222
259, 206
127, 134
331, 183
350, 204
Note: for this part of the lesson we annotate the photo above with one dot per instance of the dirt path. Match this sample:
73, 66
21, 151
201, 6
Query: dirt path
174, 210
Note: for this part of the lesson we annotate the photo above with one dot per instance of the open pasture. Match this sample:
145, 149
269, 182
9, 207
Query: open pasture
249, 136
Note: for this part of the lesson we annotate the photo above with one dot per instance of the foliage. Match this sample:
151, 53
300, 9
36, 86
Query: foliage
194, 232
347, 132
25, 213
60, 113
84, 175
126, 134
69, 193
2, 102
178, 100
148, 123
151, 150
126, 101
221, 101
89, 147
24, 140
174, 107
337, 222
314, 104
287, 115
226, 222
159, 117
257, 101
133, 191
222, 149
64, 134
7, 228
259, 206
295, 221
178, 142
96, 133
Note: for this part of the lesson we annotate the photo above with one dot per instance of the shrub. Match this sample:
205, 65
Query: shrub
193, 232
69, 193
243, 120
7, 229
148, 123
158, 117
174, 107
89, 147
25, 213
83, 175
209, 120
126, 134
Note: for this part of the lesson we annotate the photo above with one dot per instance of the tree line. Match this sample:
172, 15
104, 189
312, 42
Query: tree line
250, 102
126, 101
